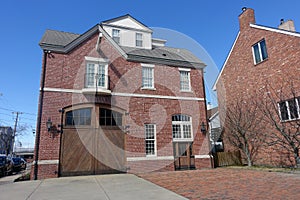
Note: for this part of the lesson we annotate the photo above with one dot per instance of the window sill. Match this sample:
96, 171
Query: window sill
186, 91
289, 120
144, 88
151, 156
255, 64
103, 91
183, 139
77, 126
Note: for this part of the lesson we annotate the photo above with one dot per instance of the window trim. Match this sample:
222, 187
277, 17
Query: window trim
182, 123
297, 101
149, 66
260, 52
155, 140
189, 80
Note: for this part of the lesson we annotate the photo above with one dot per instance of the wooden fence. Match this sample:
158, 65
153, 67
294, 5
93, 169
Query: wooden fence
227, 158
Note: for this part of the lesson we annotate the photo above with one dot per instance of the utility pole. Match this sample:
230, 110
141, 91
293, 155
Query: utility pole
15, 129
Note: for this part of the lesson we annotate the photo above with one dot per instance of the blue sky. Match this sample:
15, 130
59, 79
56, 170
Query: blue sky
212, 24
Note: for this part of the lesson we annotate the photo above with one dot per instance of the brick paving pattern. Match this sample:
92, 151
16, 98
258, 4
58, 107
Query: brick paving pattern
227, 183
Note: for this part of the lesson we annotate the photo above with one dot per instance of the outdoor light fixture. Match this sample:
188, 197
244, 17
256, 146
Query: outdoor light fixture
49, 124
52, 128
203, 129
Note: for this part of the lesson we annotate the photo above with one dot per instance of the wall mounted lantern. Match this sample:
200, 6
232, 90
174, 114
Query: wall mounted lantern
52, 128
49, 124
203, 128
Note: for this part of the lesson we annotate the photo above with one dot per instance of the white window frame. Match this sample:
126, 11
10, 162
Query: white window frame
116, 36
138, 40
182, 123
188, 71
288, 110
155, 143
151, 67
97, 62
260, 52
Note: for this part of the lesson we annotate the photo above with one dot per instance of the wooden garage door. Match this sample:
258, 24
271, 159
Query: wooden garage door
87, 151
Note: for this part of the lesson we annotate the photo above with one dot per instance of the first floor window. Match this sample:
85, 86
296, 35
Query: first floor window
260, 51
96, 75
289, 109
147, 77
185, 84
110, 117
78, 117
150, 139
182, 127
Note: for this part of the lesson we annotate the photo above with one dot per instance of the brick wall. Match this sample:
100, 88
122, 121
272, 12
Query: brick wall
242, 78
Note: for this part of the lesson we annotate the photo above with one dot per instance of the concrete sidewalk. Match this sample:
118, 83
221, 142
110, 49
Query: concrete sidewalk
106, 187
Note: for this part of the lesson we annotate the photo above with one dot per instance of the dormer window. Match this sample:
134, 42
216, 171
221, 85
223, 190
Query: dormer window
259, 52
139, 39
116, 35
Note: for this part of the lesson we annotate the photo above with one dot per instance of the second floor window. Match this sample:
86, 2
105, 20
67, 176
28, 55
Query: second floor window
147, 77
96, 75
116, 35
289, 110
185, 84
139, 39
260, 52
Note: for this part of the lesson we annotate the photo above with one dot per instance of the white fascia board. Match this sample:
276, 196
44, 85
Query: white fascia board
93, 59
119, 49
215, 84
275, 30
214, 115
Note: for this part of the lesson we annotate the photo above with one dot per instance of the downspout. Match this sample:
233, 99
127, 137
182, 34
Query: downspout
39, 117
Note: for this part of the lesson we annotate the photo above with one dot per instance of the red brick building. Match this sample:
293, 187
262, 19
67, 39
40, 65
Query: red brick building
114, 99
263, 60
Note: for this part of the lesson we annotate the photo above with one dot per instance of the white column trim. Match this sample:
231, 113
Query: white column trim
202, 156
47, 162
46, 89
150, 158
157, 96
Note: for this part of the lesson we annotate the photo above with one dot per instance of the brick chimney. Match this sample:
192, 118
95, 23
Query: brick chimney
287, 25
247, 17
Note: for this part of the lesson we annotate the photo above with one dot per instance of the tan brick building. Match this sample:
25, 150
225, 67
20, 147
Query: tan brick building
261, 58
114, 99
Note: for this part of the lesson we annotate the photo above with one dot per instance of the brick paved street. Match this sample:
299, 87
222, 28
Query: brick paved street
228, 183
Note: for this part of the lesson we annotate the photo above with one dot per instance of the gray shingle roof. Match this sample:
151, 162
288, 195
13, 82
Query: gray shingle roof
64, 42
58, 38
164, 55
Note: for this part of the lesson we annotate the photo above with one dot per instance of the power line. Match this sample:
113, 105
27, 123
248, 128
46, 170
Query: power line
25, 113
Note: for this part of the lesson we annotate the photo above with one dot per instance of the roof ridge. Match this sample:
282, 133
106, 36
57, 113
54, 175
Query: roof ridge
64, 32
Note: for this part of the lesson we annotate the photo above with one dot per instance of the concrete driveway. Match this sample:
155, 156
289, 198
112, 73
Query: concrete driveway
106, 187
